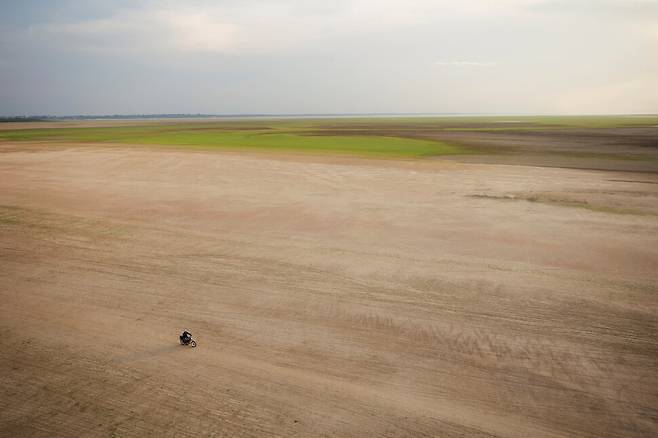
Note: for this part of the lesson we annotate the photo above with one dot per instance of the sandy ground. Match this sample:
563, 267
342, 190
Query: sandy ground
330, 298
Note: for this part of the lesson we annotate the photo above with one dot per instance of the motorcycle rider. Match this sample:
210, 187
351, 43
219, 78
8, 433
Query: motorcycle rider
185, 337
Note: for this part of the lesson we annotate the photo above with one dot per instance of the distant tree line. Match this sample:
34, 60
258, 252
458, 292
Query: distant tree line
36, 118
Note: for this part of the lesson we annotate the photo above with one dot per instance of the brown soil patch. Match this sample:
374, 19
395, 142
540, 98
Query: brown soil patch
330, 297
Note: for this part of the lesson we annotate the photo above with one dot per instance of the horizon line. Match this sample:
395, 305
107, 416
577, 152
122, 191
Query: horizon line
37, 117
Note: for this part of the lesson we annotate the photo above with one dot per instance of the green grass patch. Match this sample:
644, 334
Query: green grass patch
385, 136
209, 136
361, 145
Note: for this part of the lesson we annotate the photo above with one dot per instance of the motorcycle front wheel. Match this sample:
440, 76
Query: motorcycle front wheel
193, 344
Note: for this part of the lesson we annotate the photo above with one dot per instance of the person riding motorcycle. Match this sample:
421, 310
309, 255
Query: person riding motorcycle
185, 337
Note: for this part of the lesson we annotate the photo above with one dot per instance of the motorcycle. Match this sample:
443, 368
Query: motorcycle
191, 342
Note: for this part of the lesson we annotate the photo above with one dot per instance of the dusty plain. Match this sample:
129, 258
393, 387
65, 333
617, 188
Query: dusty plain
510, 295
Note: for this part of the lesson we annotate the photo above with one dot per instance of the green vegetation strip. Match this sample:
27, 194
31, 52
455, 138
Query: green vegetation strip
204, 137
385, 137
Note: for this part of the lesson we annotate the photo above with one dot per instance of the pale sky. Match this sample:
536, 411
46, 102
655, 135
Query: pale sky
344, 56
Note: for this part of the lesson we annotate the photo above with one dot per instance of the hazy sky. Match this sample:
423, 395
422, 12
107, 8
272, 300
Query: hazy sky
306, 56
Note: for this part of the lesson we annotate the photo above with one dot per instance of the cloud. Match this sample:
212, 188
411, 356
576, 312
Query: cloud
319, 56
180, 28
633, 8
464, 64
253, 26
638, 94
256, 26
191, 30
